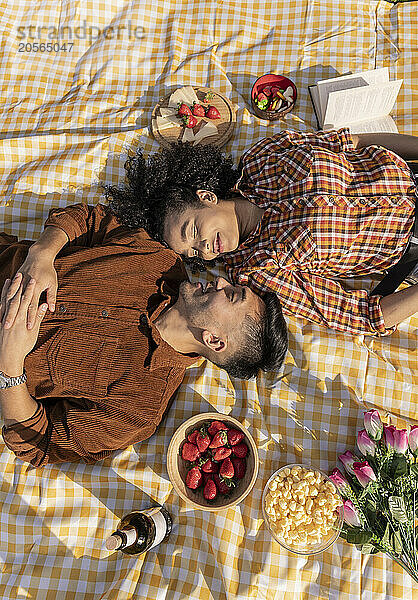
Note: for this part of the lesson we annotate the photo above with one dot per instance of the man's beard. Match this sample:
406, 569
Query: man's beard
194, 306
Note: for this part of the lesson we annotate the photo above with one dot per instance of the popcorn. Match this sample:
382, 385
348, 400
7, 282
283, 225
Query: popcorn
301, 506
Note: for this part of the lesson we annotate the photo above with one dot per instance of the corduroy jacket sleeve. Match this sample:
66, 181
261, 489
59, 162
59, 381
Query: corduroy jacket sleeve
76, 429
86, 225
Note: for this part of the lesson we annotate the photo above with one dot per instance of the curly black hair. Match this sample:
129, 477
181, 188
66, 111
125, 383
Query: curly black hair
167, 182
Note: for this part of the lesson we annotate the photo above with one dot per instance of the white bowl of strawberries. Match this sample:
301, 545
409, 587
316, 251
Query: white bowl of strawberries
212, 461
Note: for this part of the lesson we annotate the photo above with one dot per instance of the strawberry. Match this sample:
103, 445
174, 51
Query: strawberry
227, 469
207, 476
194, 478
234, 436
198, 110
221, 453
262, 101
189, 121
216, 426
192, 436
240, 450
221, 485
267, 90
202, 441
219, 440
239, 467
212, 113
208, 466
190, 452
210, 491
183, 110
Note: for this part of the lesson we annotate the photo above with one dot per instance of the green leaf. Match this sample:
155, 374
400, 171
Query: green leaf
397, 467
414, 470
370, 489
371, 505
355, 535
368, 549
397, 509
386, 537
396, 541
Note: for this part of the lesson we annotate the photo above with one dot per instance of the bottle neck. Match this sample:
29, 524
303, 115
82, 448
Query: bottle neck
122, 539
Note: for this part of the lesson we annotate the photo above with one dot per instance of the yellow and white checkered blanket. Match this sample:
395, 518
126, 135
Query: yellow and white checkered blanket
70, 111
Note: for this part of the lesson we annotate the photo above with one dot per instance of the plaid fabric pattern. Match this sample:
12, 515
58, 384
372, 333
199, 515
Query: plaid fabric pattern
331, 212
66, 119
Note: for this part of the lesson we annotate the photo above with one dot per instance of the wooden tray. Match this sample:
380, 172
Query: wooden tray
226, 124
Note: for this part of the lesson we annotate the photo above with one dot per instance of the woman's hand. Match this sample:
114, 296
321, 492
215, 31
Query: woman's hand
17, 341
39, 265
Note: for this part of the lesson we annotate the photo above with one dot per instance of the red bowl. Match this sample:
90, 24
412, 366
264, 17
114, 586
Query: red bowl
261, 82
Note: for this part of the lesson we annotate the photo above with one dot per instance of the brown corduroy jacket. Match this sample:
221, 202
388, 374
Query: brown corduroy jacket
100, 371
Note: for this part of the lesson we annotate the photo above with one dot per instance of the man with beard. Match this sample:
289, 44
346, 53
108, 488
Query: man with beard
96, 373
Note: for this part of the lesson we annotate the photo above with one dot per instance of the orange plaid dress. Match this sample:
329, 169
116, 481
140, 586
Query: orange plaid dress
331, 212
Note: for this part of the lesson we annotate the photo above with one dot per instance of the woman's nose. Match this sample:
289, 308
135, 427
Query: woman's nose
221, 283
204, 246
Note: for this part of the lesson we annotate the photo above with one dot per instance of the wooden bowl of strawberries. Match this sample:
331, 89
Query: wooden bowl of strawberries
212, 461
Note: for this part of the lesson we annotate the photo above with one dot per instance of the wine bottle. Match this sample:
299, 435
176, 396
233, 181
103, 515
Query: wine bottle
140, 531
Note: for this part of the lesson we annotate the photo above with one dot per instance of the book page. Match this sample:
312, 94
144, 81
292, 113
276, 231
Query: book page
346, 107
313, 91
382, 125
345, 82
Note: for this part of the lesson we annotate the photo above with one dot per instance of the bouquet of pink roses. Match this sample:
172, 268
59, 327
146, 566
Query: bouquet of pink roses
380, 492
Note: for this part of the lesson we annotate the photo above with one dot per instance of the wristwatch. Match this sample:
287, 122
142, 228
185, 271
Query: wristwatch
7, 382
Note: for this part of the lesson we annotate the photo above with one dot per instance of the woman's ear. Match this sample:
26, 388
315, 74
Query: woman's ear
213, 342
207, 197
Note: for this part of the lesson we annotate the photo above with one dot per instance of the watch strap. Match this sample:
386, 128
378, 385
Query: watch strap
13, 381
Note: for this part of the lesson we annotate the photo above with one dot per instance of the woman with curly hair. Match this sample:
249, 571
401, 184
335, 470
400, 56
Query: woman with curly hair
302, 211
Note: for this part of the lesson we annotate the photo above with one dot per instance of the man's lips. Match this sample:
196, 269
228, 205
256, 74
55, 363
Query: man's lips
201, 288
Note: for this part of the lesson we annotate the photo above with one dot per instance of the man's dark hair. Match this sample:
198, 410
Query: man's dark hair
263, 342
167, 182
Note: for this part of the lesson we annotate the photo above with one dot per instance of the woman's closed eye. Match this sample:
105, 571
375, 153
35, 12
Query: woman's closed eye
194, 252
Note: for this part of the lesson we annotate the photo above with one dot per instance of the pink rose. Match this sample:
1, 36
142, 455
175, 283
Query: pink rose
340, 482
400, 439
373, 424
350, 513
413, 440
389, 438
364, 472
365, 444
348, 459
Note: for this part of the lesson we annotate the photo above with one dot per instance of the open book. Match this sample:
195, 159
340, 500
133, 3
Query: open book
361, 101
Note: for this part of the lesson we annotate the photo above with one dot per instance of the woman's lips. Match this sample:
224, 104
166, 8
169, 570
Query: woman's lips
218, 244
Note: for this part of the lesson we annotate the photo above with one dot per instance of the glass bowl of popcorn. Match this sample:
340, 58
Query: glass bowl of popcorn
301, 509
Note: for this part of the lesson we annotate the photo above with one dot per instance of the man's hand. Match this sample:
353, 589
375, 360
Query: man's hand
40, 267
17, 341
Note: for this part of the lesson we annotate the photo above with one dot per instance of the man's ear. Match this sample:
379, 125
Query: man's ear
207, 197
213, 342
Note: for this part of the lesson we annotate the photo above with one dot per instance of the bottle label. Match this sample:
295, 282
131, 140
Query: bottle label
160, 525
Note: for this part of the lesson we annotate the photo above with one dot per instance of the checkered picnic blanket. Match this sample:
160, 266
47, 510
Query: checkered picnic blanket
69, 115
